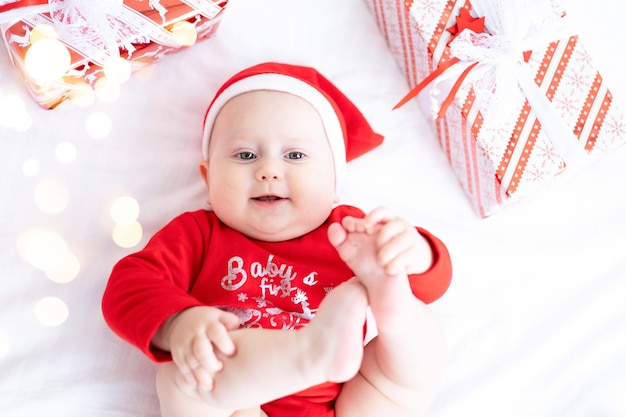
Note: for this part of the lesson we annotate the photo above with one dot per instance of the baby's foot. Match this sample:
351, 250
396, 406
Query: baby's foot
336, 332
358, 250
385, 292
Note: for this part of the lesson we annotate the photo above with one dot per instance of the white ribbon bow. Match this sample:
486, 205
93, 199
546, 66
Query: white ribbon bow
513, 26
94, 26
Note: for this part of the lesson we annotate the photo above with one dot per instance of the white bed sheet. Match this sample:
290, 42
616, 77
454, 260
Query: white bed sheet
535, 316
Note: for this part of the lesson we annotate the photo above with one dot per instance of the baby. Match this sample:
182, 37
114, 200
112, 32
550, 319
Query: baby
257, 306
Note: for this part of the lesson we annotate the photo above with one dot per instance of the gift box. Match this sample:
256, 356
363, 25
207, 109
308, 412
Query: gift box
64, 48
511, 92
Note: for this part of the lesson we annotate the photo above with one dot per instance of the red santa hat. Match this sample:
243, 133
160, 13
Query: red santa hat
348, 132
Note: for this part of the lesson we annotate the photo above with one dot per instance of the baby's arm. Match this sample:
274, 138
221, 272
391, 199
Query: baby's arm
194, 337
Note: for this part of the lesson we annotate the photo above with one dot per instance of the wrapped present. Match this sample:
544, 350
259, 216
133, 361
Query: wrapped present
63, 48
512, 93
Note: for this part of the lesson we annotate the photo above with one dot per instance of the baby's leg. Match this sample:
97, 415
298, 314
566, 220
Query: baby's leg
270, 364
403, 366
179, 400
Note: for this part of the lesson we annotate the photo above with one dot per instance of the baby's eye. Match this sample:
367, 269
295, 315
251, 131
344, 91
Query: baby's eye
295, 155
246, 156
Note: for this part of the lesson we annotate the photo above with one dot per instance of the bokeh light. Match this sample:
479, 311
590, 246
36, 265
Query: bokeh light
43, 249
65, 272
127, 235
51, 196
125, 210
12, 110
23, 122
184, 32
30, 167
117, 69
98, 125
43, 31
5, 345
107, 90
65, 152
51, 311
47, 60
82, 94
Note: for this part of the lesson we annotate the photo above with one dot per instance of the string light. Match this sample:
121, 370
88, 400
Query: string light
23, 122
30, 167
117, 69
98, 125
43, 31
47, 60
127, 235
51, 196
65, 152
66, 271
127, 231
184, 32
51, 311
42, 248
12, 109
125, 210
107, 90
82, 94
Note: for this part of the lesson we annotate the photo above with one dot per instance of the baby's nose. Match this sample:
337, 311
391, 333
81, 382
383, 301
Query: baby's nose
269, 171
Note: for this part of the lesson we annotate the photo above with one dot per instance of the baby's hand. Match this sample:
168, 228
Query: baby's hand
196, 337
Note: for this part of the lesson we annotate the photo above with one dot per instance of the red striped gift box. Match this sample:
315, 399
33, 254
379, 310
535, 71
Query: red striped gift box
138, 31
548, 112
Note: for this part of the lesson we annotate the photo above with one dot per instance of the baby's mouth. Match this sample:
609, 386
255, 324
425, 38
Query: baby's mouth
268, 198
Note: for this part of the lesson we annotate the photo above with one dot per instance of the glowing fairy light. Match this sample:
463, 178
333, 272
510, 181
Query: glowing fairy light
5, 345
42, 248
65, 152
117, 69
51, 196
12, 108
107, 90
47, 60
127, 235
82, 95
127, 231
125, 210
98, 125
65, 272
43, 31
30, 167
51, 311
184, 32
23, 122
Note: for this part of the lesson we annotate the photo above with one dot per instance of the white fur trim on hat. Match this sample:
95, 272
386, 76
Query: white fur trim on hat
291, 85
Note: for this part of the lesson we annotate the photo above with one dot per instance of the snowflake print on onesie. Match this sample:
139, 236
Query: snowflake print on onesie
271, 293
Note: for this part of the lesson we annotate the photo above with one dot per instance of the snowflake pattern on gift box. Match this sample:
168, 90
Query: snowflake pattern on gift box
546, 152
429, 9
582, 55
425, 16
577, 81
567, 104
613, 133
616, 126
494, 149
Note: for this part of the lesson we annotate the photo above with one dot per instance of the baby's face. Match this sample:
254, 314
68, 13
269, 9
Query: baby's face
270, 172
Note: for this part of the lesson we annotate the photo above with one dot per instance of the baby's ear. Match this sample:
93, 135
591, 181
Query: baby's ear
204, 173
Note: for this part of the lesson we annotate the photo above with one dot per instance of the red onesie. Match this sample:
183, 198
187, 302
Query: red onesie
197, 260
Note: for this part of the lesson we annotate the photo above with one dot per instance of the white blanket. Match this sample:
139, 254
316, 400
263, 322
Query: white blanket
535, 316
